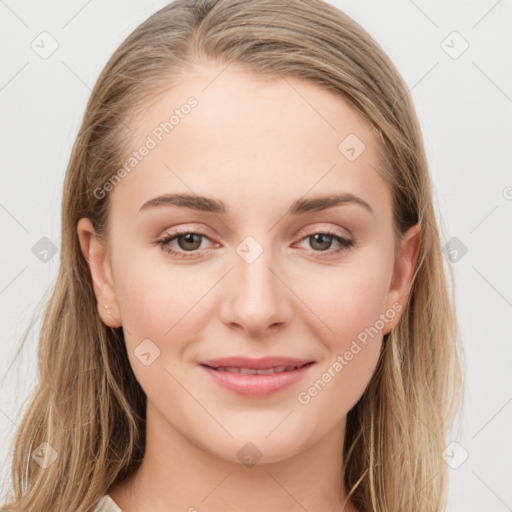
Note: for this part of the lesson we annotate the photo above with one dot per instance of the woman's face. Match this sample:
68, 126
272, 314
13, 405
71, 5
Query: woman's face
265, 275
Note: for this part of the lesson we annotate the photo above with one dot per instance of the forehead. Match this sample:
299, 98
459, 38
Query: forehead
248, 139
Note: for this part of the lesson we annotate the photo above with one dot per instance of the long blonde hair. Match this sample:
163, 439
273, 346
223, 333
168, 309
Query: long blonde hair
88, 405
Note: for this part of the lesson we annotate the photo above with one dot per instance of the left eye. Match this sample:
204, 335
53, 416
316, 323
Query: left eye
189, 242
323, 241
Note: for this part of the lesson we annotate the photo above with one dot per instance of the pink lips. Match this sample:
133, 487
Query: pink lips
238, 373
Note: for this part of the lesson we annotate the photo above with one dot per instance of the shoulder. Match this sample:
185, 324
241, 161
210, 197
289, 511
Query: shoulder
107, 504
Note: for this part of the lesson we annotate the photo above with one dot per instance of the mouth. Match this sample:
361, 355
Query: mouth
255, 371
256, 378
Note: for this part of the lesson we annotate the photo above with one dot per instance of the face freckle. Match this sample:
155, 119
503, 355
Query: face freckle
269, 182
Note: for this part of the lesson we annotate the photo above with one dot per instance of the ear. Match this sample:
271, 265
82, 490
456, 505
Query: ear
405, 265
98, 259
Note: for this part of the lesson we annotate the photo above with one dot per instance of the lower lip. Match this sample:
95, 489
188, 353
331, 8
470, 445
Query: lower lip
256, 385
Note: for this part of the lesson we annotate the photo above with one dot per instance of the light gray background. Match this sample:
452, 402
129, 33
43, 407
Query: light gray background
464, 105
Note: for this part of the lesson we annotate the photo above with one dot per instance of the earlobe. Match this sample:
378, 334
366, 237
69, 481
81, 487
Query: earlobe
96, 255
404, 268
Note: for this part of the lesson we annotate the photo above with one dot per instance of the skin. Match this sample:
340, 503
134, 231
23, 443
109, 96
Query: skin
257, 145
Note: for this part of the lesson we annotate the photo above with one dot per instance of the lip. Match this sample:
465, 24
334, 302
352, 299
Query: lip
256, 385
263, 363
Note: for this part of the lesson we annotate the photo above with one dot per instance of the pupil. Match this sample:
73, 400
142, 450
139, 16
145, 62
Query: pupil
189, 239
326, 239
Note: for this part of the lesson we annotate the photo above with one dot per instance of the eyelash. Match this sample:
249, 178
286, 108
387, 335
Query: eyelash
164, 243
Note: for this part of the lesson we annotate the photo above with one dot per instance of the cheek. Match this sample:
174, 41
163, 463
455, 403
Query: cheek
152, 297
346, 299
158, 321
349, 306
163, 304
353, 342
340, 304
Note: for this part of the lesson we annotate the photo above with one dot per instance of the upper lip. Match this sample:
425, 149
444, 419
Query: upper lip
262, 363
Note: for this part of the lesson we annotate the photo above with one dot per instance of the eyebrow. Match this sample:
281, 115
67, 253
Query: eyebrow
210, 205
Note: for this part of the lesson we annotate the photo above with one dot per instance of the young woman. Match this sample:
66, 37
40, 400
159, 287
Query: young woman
252, 310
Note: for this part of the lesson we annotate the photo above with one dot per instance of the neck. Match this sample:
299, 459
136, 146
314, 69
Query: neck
177, 475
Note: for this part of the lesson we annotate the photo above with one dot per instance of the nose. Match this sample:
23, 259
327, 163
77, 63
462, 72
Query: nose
255, 296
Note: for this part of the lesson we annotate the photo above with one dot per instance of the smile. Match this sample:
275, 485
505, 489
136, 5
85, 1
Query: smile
252, 371
252, 382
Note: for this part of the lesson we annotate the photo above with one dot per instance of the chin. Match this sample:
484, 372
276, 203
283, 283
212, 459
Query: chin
258, 447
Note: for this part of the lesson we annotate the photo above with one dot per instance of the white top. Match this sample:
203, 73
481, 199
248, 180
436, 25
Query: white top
107, 504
